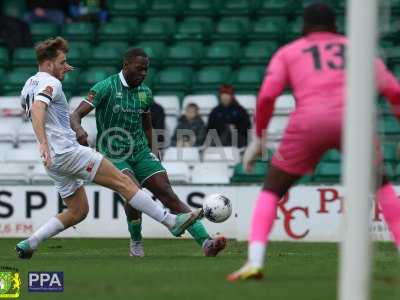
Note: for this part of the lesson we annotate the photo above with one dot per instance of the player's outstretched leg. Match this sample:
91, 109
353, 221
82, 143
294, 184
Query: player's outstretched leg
109, 176
390, 205
77, 209
161, 188
276, 185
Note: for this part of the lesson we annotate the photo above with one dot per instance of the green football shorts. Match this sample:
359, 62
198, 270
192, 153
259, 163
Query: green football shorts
143, 165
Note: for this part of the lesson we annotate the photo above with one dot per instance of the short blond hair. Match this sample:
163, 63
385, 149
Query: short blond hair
48, 49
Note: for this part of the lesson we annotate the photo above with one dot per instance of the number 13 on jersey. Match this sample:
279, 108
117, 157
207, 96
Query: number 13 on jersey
331, 56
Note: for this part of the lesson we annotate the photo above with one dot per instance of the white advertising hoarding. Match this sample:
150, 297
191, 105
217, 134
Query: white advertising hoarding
307, 213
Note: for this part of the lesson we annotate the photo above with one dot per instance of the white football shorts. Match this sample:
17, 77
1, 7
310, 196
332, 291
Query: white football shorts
69, 170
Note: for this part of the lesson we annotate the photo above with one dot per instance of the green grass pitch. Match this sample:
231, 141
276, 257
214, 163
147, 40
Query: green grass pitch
175, 269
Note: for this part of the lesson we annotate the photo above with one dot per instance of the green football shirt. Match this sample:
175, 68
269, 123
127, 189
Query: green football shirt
119, 110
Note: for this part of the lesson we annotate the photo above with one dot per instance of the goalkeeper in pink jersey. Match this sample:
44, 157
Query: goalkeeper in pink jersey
313, 66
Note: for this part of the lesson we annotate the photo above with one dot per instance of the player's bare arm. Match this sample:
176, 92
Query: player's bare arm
148, 130
38, 115
80, 112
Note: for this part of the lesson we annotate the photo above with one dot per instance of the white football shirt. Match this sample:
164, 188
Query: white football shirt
45, 87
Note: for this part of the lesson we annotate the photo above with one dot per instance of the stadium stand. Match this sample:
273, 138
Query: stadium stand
186, 154
4, 148
24, 153
10, 105
285, 104
276, 127
4, 58
215, 172
170, 125
229, 155
123, 8
89, 124
25, 132
24, 57
332, 156
170, 103
117, 30
177, 171
328, 172
173, 79
13, 173
256, 175
38, 173
194, 46
247, 78
41, 31
205, 102
248, 102
7, 129
80, 31
74, 103
185, 53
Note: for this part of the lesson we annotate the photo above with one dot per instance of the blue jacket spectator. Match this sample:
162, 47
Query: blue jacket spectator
88, 10
54, 11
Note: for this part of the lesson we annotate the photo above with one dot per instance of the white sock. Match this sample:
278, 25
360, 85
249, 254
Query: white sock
47, 230
143, 202
256, 254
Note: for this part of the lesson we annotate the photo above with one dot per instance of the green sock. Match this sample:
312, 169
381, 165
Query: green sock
198, 232
135, 229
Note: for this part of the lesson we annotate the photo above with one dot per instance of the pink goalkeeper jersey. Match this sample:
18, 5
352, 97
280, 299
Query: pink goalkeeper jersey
314, 68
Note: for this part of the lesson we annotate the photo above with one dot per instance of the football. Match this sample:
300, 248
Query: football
217, 208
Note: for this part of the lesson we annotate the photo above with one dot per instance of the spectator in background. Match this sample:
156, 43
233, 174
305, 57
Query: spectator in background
192, 121
88, 10
229, 118
158, 122
14, 32
54, 11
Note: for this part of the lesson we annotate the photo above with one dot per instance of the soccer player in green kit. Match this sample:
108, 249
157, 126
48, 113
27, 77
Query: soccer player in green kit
122, 102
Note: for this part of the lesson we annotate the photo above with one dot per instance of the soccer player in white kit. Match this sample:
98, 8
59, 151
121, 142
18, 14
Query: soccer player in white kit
67, 162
